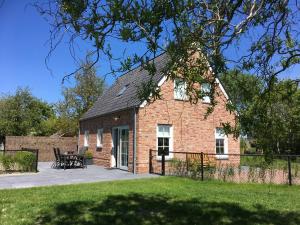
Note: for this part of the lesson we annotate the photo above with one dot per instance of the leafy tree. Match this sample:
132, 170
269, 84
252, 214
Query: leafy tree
265, 33
242, 89
79, 98
198, 36
23, 114
273, 118
269, 116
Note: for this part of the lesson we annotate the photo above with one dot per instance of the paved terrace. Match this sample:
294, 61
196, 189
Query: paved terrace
48, 176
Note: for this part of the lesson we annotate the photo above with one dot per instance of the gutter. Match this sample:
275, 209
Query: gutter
108, 113
78, 137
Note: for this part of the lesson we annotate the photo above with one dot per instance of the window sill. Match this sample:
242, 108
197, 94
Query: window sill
167, 158
181, 99
222, 157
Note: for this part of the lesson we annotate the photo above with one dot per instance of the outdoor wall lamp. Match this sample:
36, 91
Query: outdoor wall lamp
117, 118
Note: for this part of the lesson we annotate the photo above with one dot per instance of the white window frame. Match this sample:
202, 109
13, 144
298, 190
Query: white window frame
100, 138
180, 90
86, 138
206, 87
170, 156
221, 135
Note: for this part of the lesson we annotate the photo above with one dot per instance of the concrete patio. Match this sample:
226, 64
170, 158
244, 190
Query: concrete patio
48, 176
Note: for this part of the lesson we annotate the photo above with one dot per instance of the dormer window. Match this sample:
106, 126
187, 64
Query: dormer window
123, 89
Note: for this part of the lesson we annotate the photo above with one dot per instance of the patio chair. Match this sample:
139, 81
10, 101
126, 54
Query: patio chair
65, 162
82, 150
81, 158
57, 162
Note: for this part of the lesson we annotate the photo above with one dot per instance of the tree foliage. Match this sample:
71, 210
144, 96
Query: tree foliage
79, 98
270, 117
273, 120
242, 89
203, 39
24, 114
265, 33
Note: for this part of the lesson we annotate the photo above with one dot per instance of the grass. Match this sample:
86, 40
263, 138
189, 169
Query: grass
167, 200
277, 163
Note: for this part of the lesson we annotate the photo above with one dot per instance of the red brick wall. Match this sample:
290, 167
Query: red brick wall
107, 122
191, 131
44, 144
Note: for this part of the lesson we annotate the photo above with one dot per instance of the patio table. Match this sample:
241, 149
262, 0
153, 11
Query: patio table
70, 158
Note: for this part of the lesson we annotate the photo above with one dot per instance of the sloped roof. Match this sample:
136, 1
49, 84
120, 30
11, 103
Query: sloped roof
111, 101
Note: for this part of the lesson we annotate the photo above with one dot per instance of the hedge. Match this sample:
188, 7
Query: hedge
21, 161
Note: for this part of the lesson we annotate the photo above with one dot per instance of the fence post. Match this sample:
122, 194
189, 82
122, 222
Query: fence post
202, 169
37, 160
163, 171
187, 163
290, 171
150, 161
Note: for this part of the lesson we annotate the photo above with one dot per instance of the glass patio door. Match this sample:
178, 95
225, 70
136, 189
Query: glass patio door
124, 145
120, 147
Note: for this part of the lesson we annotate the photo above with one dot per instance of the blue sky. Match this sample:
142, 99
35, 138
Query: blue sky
23, 34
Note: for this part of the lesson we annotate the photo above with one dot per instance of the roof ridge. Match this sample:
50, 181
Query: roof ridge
141, 65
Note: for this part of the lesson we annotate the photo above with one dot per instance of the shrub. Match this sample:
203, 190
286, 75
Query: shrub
88, 154
7, 162
177, 167
194, 168
25, 160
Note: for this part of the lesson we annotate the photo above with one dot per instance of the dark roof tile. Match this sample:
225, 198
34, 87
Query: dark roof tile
110, 101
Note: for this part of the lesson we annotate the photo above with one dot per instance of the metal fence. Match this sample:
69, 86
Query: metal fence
239, 168
35, 152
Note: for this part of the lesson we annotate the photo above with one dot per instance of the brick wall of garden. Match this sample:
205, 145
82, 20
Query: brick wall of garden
44, 144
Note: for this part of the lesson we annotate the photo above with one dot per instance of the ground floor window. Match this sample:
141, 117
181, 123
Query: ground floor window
86, 138
99, 138
164, 140
221, 143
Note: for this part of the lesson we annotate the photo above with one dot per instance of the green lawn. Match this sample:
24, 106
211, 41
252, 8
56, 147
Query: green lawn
277, 163
165, 200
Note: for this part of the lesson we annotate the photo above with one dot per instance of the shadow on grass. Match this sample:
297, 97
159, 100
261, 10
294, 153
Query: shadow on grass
140, 209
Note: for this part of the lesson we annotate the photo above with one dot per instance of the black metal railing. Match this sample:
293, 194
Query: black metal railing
30, 161
241, 168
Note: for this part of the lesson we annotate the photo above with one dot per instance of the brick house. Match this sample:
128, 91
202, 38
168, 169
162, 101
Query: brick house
120, 129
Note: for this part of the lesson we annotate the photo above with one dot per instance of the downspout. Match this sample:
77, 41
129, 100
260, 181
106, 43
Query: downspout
78, 139
134, 141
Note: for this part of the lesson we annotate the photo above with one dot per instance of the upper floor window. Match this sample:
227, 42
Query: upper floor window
206, 88
221, 143
180, 89
86, 138
100, 138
